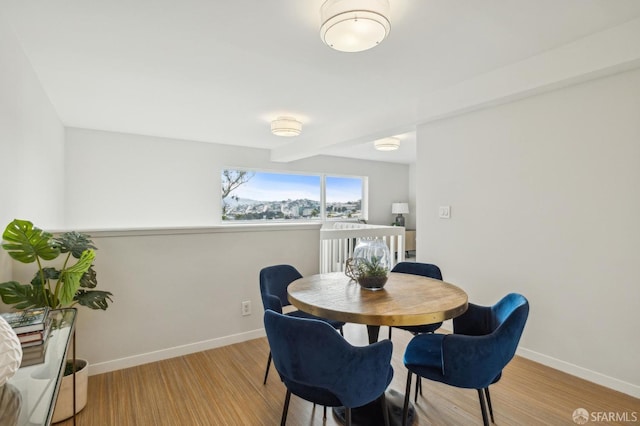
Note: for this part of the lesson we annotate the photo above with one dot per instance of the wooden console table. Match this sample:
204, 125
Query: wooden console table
33, 391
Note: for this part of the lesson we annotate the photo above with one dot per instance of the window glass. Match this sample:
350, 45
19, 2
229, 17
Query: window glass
253, 195
256, 195
343, 197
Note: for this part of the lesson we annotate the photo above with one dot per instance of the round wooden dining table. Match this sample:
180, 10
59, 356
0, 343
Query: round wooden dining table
406, 299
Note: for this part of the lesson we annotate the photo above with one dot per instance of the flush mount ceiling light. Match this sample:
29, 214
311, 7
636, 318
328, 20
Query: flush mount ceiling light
286, 126
387, 144
354, 25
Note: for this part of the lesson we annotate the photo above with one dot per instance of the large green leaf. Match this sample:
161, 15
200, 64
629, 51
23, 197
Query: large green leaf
74, 242
24, 296
42, 276
25, 243
50, 286
89, 279
69, 281
94, 299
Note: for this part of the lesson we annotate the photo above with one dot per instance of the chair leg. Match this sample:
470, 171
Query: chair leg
418, 388
266, 373
485, 420
390, 332
285, 409
407, 395
347, 416
385, 409
341, 332
324, 413
486, 394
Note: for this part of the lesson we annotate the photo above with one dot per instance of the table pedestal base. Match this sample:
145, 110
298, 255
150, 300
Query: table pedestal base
371, 414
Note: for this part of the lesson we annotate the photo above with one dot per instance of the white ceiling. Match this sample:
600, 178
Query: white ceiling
220, 71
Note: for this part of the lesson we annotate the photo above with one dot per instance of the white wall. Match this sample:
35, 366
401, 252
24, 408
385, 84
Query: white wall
31, 142
122, 180
410, 220
31, 146
545, 201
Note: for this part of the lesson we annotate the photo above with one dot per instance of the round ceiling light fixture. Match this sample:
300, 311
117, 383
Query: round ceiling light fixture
286, 126
387, 144
354, 25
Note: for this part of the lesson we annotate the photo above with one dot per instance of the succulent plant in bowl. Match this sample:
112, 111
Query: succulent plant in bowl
371, 273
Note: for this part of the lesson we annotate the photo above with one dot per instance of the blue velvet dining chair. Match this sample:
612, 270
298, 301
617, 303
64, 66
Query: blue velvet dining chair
317, 364
274, 281
485, 339
426, 270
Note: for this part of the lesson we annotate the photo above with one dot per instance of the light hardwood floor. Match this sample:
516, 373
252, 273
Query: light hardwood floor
224, 387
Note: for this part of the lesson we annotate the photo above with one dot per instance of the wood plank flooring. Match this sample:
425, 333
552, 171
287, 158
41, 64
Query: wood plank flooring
224, 387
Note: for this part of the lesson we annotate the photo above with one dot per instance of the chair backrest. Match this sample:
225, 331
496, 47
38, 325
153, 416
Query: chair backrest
482, 320
417, 268
273, 285
318, 364
474, 361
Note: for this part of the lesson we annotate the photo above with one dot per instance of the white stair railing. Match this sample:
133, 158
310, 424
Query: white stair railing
338, 240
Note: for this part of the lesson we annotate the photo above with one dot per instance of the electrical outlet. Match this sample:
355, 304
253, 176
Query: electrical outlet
246, 308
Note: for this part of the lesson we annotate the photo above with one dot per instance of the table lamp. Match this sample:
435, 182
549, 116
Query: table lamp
400, 209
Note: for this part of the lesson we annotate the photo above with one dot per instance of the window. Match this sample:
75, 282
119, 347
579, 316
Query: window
343, 197
255, 195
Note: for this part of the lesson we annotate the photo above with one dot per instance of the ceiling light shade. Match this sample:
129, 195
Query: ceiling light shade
387, 144
286, 126
354, 25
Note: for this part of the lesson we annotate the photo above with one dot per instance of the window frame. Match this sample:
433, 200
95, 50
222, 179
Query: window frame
364, 213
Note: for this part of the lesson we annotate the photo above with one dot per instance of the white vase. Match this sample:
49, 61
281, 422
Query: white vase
10, 352
64, 404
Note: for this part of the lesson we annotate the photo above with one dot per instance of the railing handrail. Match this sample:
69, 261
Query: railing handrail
330, 234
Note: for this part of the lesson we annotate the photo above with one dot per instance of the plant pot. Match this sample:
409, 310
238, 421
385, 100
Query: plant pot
372, 283
64, 404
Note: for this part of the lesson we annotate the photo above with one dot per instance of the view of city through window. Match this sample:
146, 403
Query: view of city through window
254, 195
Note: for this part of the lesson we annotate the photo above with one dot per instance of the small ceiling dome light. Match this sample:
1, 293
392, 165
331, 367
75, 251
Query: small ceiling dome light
286, 126
354, 25
387, 144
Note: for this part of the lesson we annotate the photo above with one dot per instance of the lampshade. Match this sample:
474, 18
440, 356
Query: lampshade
354, 25
400, 208
387, 144
286, 126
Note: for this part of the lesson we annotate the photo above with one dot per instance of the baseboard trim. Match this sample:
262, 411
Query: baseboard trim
574, 370
583, 373
132, 361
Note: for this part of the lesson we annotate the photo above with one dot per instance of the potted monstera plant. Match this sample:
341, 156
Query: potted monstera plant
58, 283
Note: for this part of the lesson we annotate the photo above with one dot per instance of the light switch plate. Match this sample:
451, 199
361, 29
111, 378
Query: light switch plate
444, 212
